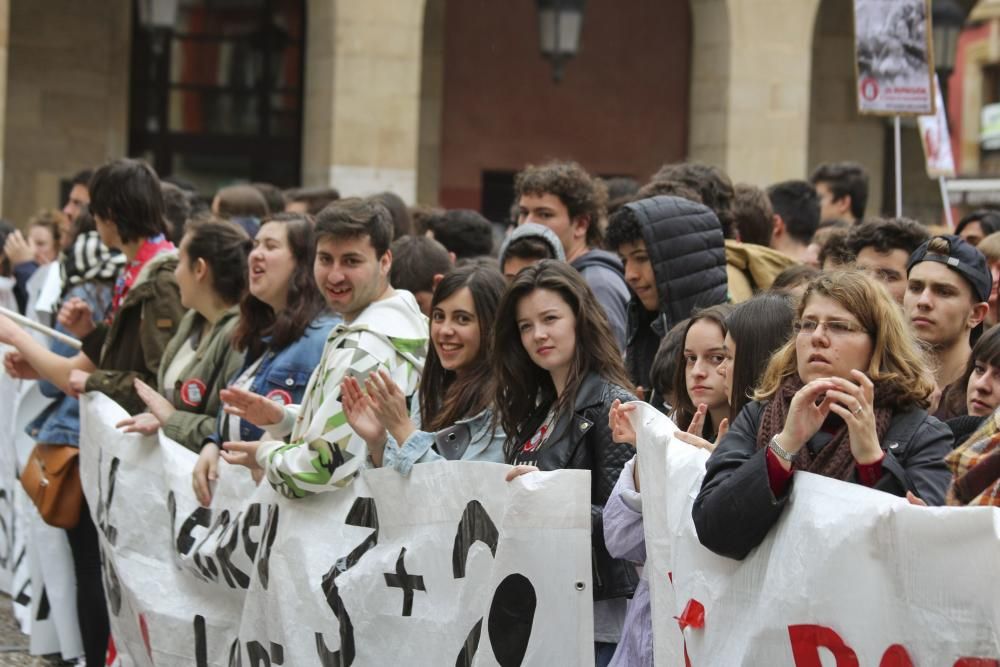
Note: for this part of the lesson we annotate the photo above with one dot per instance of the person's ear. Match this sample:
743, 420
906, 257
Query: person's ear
438, 277
580, 225
978, 314
200, 268
778, 228
843, 204
451, 256
385, 262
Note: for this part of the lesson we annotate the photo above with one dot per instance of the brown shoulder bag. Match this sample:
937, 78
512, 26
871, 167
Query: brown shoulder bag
52, 481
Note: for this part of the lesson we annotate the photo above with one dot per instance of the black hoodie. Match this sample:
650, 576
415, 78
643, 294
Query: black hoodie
687, 251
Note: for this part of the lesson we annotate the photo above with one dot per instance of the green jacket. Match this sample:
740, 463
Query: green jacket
196, 391
132, 345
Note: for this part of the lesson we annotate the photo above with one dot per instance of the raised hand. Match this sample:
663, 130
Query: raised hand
252, 407
389, 404
854, 402
620, 424
145, 423
17, 367
17, 249
360, 414
158, 406
702, 443
242, 454
77, 317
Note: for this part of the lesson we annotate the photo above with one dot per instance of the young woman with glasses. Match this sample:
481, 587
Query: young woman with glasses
845, 398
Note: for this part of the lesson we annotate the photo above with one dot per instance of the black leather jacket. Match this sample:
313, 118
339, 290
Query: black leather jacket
582, 441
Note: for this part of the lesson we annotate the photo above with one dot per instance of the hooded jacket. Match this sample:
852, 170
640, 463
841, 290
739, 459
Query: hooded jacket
752, 267
605, 275
324, 453
687, 252
533, 230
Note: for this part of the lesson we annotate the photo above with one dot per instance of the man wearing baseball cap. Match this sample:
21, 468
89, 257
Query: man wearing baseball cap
949, 283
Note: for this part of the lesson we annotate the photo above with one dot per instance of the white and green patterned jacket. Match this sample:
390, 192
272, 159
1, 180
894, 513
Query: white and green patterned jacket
324, 453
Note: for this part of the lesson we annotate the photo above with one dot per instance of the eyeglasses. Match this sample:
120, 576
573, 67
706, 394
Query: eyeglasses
833, 328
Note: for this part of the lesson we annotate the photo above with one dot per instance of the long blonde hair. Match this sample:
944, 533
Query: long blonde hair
899, 368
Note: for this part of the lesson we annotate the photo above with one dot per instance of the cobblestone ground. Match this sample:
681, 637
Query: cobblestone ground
13, 644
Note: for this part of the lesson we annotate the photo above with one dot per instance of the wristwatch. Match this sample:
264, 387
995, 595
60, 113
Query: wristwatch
780, 452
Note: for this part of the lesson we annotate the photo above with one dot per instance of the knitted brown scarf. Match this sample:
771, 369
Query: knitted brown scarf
835, 458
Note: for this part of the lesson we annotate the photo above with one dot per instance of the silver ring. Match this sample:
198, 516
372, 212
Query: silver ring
859, 410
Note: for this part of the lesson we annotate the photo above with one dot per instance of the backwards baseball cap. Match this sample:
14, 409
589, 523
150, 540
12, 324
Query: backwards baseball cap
962, 257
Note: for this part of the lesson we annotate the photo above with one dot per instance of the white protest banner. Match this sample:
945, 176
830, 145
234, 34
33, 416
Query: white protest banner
35, 560
893, 58
449, 566
847, 573
936, 140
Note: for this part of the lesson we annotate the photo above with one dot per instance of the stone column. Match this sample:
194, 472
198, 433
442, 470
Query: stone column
363, 95
751, 66
66, 95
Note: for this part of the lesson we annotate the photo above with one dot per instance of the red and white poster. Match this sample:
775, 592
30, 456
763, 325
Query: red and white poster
936, 140
894, 61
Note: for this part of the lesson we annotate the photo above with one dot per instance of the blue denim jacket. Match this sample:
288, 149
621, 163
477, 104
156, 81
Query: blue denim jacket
485, 443
59, 423
283, 374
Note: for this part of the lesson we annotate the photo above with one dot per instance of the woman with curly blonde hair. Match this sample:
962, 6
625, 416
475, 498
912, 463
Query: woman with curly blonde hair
845, 398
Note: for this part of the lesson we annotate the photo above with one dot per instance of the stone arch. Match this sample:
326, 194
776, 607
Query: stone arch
836, 131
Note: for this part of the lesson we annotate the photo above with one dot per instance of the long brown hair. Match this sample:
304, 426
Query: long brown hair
684, 407
303, 303
521, 385
446, 396
898, 366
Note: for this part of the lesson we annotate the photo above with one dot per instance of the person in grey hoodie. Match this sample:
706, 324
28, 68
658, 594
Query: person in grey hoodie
570, 202
527, 245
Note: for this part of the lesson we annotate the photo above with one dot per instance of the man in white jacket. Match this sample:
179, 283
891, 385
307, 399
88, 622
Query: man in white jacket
383, 329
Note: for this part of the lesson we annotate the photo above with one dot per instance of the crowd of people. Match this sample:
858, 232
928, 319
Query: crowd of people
308, 337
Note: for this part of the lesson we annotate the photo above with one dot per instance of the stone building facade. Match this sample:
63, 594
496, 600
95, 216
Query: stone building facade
432, 98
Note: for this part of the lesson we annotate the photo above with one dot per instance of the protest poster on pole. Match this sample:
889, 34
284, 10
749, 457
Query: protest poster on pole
847, 572
936, 140
894, 62
450, 565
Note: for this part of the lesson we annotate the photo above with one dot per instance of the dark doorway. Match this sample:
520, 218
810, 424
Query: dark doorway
218, 98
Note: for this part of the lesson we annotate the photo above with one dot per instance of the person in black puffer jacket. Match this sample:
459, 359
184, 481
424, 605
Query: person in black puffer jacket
558, 371
675, 262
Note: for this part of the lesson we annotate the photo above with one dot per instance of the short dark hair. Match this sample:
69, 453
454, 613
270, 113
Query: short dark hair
529, 247
835, 248
355, 217
583, 195
224, 246
272, 195
798, 205
127, 193
668, 189
82, 177
176, 209
711, 183
792, 277
753, 213
463, 232
843, 179
241, 201
623, 227
315, 199
621, 190
415, 262
988, 219
401, 222
887, 234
